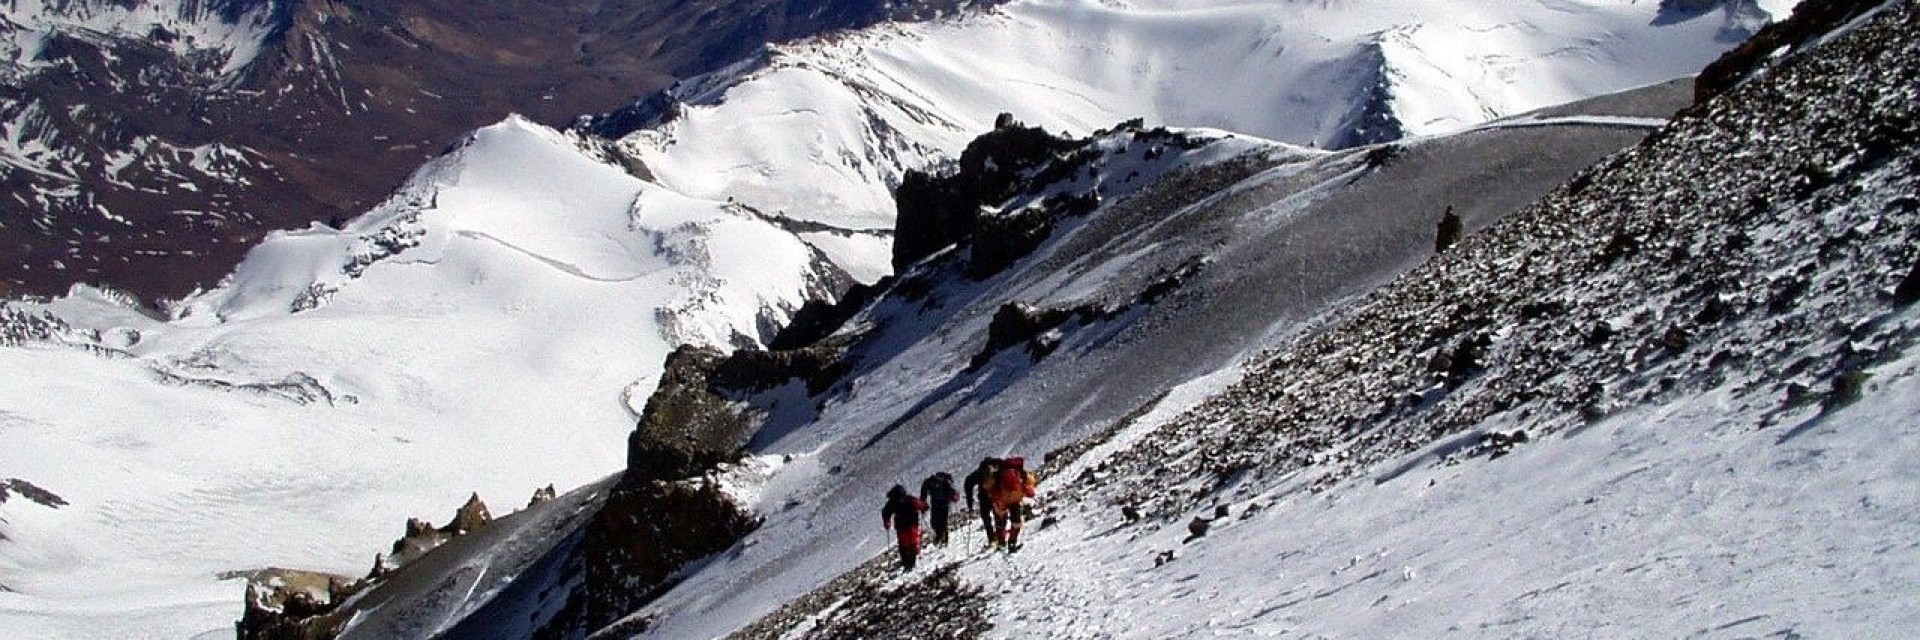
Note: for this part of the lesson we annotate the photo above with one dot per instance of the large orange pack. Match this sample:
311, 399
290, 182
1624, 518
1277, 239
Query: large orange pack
1012, 483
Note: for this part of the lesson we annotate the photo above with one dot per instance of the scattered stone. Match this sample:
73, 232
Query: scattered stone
1197, 529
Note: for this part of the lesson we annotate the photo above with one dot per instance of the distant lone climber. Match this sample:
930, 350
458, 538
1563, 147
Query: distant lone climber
1009, 488
902, 515
975, 486
938, 492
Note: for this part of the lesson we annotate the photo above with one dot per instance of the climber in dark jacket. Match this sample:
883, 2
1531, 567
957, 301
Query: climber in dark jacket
902, 515
938, 492
975, 487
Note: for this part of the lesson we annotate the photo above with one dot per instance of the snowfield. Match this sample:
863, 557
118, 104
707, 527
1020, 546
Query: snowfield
822, 130
492, 328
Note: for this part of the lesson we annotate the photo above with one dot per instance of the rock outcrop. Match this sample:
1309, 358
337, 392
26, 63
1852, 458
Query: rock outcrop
938, 211
289, 604
1809, 20
1010, 189
30, 492
667, 511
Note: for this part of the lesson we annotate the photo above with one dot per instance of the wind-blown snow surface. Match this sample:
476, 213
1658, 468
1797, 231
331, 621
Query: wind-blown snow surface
481, 331
823, 129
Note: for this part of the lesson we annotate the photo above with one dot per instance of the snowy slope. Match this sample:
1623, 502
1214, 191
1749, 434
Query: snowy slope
822, 130
1255, 244
494, 325
484, 330
1710, 342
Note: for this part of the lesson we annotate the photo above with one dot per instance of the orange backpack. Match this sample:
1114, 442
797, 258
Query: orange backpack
1011, 483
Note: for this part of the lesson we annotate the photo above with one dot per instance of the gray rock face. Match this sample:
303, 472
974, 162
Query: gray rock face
686, 427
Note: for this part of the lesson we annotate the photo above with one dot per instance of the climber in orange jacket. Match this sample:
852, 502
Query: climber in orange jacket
1008, 488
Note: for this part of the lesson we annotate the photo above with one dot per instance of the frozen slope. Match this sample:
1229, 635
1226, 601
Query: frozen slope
493, 325
1246, 244
484, 330
822, 130
1710, 344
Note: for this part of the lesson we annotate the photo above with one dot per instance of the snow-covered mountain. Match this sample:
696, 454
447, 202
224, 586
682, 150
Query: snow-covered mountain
147, 144
1657, 398
497, 323
1676, 396
822, 130
474, 333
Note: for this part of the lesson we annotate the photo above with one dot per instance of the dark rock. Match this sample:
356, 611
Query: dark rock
1909, 290
686, 427
418, 527
541, 495
1130, 513
1016, 323
1384, 155
1500, 444
32, 493
935, 212
818, 319
469, 518
1847, 388
750, 370
1000, 240
287, 604
648, 531
1197, 528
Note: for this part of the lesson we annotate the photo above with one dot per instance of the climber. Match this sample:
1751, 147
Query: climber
1009, 488
938, 492
975, 486
902, 515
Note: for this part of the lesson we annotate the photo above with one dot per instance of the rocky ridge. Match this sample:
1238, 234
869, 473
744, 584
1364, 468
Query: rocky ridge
1675, 268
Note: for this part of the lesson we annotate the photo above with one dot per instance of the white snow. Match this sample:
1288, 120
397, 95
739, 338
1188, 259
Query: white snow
492, 327
822, 130
1689, 519
491, 357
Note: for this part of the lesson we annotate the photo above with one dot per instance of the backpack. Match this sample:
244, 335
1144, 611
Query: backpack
1012, 480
